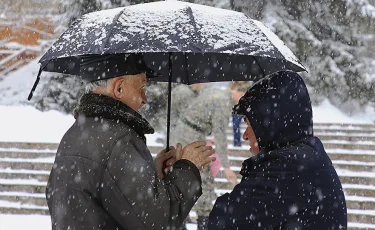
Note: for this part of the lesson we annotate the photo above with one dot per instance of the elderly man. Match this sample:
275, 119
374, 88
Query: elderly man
104, 176
290, 182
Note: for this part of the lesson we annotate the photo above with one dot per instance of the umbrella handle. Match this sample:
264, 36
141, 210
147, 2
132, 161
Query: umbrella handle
35, 84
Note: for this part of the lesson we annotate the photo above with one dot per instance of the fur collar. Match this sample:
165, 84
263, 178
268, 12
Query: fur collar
97, 105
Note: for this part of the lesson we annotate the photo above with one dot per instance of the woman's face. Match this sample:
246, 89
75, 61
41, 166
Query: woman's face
250, 136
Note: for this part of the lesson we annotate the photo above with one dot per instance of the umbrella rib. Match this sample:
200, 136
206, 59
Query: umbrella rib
112, 25
187, 69
193, 23
259, 66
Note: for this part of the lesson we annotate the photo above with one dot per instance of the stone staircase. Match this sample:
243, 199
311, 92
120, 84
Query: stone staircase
25, 167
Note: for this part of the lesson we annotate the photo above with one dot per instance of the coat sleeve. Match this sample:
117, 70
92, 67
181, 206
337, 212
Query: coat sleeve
134, 196
262, 200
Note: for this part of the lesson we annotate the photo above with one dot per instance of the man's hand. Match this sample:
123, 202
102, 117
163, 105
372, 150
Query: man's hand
168, 157
231, 176
198, 153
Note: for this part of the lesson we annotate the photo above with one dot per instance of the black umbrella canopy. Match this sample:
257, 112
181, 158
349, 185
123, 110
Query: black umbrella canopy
196, 43
171, 41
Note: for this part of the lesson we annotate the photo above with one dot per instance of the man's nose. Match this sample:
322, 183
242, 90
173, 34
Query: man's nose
144, 99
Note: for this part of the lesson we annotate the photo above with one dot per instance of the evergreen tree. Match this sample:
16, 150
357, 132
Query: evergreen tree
59, 92
328, 37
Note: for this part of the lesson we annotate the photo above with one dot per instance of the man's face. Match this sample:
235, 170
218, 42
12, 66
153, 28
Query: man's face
131, 90
250, 136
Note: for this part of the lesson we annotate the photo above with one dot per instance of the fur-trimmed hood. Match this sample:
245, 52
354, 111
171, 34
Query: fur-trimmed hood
101, 106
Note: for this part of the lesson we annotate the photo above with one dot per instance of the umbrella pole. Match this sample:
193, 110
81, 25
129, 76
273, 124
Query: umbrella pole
42, 66
35, 84
169, 100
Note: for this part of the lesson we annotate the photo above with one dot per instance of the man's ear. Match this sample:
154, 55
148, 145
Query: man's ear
118, 88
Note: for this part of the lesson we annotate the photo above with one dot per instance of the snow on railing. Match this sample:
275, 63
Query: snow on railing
38, 31
14, 55
12, 67
4, 41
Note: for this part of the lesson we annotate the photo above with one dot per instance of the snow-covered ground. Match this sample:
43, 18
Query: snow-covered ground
327, 113
29, 222
34, 222
27, 124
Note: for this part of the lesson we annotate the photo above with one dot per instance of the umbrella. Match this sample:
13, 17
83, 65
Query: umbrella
177, 42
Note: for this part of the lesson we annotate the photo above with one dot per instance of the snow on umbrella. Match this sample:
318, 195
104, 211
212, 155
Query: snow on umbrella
172, 40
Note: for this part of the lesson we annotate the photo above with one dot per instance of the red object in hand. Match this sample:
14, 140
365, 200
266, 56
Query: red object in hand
216, 165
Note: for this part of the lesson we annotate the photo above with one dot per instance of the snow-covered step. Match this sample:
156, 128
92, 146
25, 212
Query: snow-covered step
38, 199
350, 164
29, 145
361, 216
237, 151
330, 137
345, 131
346, 176
360, 202
347, 127
369, 131
346, 137
45, 164
357, 166
20, 208
358, 145
29, 164
328, 126
20, 200
351, 155
26, 153
22, 185
222, 183
40, 175
359, 190
352, 177
360, 226
342, 133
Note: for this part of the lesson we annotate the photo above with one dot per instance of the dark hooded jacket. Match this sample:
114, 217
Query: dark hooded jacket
104, 175
291, 183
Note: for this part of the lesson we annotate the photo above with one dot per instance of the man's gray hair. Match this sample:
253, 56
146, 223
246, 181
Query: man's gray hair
92, 86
